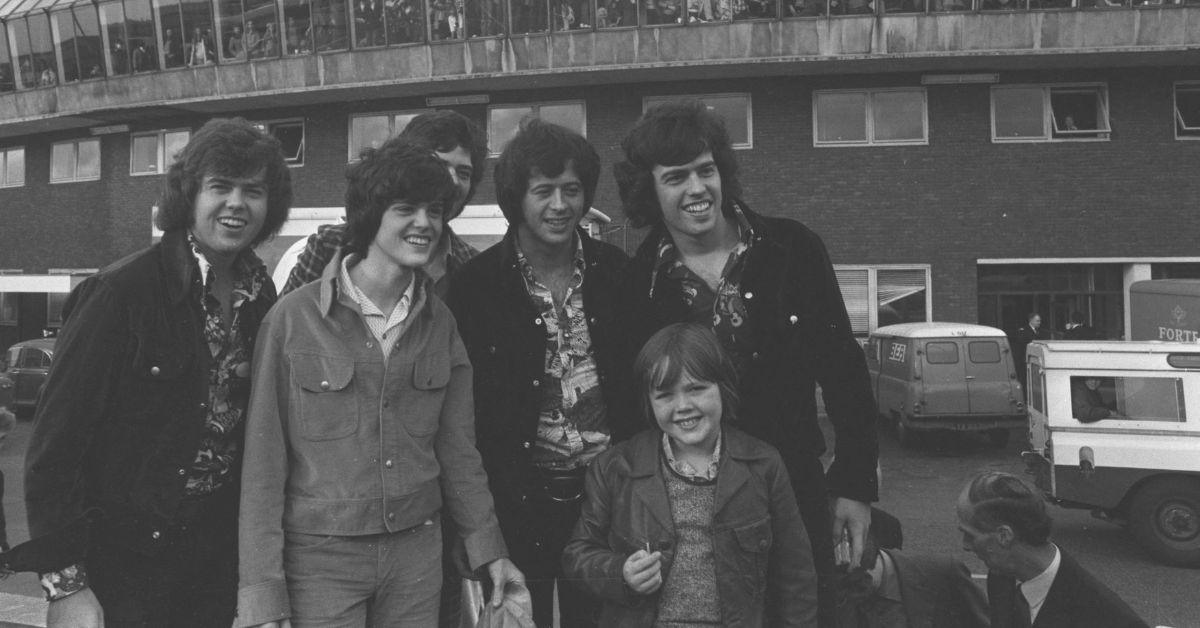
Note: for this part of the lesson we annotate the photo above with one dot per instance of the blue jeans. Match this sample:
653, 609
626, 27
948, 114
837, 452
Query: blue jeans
372, 581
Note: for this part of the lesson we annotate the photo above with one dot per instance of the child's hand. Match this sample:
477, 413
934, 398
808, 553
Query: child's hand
643, 571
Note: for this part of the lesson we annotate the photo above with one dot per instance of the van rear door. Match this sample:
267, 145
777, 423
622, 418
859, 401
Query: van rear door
989, 388
942, 378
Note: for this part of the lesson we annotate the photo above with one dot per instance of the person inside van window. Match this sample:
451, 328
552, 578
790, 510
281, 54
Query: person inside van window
1087, 403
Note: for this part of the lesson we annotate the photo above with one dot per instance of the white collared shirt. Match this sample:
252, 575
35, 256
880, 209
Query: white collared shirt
386, 328
1037, 588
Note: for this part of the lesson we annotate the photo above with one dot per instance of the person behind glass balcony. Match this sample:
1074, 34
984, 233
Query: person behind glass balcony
693, 523
539, 314
767, 288
132, 474
361, 425
1031, 582
463, 148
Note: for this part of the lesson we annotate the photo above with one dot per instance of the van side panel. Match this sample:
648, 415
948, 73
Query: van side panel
895, 370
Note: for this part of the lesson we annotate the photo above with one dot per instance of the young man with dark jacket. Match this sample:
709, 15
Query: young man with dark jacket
767, 288
132, 475
538, 315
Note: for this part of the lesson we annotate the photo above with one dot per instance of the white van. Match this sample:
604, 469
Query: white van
1114, 428
945, 376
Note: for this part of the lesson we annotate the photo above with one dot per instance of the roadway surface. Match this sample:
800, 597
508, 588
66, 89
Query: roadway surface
920, 487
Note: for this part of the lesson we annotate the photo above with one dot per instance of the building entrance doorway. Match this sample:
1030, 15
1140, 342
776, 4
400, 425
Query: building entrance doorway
1008, 293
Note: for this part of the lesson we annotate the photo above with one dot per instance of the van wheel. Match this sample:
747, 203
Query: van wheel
1164, 517
997, 438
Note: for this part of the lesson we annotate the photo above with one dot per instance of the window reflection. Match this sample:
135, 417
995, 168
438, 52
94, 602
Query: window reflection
297, 27
529, 16
112, 18
63, 24
88, 45
7, 79
262, 30
485, 18
143, 46
233, 36
42, 50
329, 25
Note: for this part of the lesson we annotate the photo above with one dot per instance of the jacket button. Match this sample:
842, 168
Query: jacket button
754, 356
793, 319
370, 344
593, 321
388, 463
156, 535
492, 349
537, 321
748, 295
537, 382
391, 516
526, 444
182, 472
325, 385
154, 370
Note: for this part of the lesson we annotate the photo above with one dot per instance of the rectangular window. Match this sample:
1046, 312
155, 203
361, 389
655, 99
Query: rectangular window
870, 117
8, 308
983, 351
116, 46
877, 296
77, 160
1049, 113
1187, 111
12, 167
143, 51
290, 134
154, 151
941, 352
371, 130
505, 120
1096, 397
8, 81
1037, 388
734, 109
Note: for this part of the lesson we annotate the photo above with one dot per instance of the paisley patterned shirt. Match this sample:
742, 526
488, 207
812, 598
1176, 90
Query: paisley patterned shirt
229, 378
724, 308
573, 421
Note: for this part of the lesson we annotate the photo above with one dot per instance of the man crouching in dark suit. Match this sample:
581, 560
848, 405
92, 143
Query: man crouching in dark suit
897, 589
1031, 582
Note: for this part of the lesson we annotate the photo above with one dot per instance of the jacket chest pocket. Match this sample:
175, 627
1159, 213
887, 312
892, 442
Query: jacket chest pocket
422, 413
323, 396
753, 550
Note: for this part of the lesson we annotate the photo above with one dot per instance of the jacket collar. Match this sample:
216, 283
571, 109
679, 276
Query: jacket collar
178, 264
329, 293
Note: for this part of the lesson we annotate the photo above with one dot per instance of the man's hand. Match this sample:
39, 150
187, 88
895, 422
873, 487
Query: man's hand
642, 571
503, 572
851, 518
78, 610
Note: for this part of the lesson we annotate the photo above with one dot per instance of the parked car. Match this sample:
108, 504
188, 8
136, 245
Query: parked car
945, 376
1114, 429
27, 364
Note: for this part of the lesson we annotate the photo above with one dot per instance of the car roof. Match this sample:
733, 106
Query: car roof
46, 344
938, 330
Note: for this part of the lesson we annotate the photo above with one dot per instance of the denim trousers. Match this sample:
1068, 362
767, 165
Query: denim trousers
377, 580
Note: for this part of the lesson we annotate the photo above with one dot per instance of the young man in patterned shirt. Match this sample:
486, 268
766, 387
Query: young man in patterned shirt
538, 313
132, 475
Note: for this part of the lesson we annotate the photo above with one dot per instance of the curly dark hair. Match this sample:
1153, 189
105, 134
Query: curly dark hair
226, 147
445, 130
671, 134
548, 149
999, 498
399, 170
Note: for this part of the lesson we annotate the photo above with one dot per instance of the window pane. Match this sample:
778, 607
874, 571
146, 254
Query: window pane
65, 27
734, 110
570, 116
140, 24
88, 43
329, 24
7, 80
841, 117
1078, 111
368, 23
89, 160
1187, 109
112, 16
1127, 398
43, 49
405, 21
144, 154
367, 132
983, 351
503, 123
901, 296
15, 167
941, 352
528, 16
62, 162
748, 10
297, 27
54, 308
1018, 112
262, 34
8, 309
18, 31
233, 38
662, 12
175, 141
572, 14
291, 136
855, 287
616, 13
899, 116
171, 41
200, 47
400, 121
484, 18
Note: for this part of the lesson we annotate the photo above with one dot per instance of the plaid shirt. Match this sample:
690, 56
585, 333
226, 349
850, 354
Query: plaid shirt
324, 245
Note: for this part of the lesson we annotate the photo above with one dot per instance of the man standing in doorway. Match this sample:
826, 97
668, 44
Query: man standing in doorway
767, 288
1032, 330
538, 314
132, 475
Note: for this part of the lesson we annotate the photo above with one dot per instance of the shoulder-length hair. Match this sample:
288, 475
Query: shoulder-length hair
685, 349
671, 134
226, 147
548, 149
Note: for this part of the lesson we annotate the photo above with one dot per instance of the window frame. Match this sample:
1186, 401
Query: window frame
76, 144
161, 135
5, 155
351, 154
534, 108
268, 125
649, 101
1182, 130
1050, 130
869, 122
872, 286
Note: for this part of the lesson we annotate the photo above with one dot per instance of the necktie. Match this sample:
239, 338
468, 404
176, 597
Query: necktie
1021, 609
